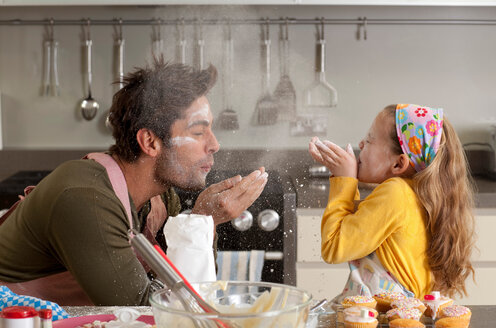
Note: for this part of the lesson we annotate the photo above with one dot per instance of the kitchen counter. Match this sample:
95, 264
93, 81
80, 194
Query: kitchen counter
314, 192
483, 316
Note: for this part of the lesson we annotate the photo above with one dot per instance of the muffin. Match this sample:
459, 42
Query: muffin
409, 302
364, 320
406, 323
359, 301
456, 311
385, 299
403, 313
435, 303
451, 322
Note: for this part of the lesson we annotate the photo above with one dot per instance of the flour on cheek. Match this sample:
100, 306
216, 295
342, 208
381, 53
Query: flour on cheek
178, 142
181, 141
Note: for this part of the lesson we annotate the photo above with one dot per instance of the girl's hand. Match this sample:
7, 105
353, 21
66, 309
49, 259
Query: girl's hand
341, 163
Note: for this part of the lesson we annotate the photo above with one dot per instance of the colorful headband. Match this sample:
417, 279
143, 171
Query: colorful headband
419, 131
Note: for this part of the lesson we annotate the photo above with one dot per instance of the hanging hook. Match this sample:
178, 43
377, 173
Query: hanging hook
156, 29
286, 28
181, 32
200, 28
359, 29
229, 29
118, 29
50, 29
365, 28
159, 28
86, 29
322, 28
362, 25
267, 34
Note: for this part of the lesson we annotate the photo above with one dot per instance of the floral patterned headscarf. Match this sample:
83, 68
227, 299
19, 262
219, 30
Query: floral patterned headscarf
419, 130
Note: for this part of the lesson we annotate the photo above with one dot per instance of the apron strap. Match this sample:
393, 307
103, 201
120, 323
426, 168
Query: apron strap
117, 180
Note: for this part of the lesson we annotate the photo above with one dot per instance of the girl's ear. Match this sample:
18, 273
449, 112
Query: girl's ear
150, 144
402, 165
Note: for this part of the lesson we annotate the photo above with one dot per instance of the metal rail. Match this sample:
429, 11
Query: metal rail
289, 20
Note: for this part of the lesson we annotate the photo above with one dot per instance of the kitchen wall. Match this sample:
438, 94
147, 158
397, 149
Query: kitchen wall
450, 66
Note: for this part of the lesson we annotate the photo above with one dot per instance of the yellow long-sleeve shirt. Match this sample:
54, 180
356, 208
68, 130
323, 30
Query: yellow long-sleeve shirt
390, 221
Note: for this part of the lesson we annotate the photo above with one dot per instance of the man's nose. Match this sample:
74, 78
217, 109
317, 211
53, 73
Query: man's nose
360, 145
212, 145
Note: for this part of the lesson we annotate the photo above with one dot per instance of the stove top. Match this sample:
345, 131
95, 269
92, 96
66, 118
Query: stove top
14, 185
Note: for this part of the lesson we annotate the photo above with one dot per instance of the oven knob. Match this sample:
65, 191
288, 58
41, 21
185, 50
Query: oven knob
268, 220
243, 222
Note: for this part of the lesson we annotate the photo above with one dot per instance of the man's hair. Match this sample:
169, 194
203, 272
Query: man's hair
153, 98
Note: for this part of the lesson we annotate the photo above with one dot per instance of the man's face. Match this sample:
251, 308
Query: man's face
189, 159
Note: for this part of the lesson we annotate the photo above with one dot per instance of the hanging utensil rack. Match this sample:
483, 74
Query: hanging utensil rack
293, 21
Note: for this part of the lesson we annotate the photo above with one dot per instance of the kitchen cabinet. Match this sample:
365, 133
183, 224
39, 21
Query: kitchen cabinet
249, 2
327, 280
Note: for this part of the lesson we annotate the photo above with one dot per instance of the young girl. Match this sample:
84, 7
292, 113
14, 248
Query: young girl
415, 232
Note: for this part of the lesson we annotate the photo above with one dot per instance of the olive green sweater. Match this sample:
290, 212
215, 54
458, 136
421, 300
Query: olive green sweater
73, 221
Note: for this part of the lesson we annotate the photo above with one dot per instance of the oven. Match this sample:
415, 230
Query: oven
269, 224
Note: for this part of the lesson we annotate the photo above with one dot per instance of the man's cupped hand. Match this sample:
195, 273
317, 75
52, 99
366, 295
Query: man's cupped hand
227, 199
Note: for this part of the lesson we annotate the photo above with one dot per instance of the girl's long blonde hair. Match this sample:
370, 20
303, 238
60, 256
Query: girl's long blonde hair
446, 191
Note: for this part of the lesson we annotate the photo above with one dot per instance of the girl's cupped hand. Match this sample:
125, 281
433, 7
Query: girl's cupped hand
341, 163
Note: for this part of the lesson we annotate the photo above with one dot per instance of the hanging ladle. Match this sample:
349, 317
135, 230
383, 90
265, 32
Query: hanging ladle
89, 106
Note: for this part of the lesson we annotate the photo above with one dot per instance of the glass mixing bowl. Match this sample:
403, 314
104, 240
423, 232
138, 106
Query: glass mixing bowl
240, 304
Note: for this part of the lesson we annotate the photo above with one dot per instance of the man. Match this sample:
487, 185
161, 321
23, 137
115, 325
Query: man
73, 220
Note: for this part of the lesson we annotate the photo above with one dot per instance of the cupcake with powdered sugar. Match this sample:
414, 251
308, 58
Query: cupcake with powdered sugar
403, 313
410, 302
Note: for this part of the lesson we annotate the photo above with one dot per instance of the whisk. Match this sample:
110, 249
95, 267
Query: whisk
168, 273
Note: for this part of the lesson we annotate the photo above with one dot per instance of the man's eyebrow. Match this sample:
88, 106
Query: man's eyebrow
199, 122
